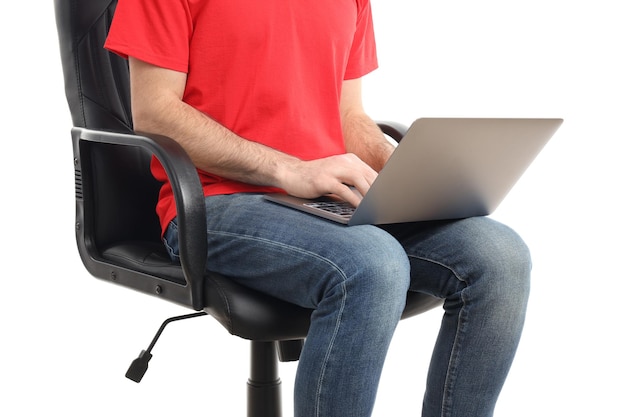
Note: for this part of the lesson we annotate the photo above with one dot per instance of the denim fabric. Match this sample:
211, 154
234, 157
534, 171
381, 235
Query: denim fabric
356, 279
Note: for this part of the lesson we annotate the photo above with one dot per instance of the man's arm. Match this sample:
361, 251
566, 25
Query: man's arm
157, 107
361, 134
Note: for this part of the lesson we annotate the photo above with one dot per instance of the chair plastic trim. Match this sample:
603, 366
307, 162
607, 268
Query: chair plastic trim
188, 196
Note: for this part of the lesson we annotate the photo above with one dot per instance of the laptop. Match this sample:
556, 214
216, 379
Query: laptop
443, 168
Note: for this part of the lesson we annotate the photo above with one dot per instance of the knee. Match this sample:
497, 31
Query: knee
512, 256
379, 271
503, 261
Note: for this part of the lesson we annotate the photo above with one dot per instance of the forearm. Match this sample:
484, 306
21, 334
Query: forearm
364, 138
211, 147
217, 150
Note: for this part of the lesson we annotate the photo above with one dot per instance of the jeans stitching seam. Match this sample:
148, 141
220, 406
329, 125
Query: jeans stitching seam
330, 348
449, 382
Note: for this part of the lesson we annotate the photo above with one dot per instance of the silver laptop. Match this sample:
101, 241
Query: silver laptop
444, 168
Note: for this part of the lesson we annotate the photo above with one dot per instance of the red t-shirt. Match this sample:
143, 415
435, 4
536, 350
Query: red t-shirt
271, 71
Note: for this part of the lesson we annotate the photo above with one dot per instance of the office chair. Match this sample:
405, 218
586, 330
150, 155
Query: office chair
117, 230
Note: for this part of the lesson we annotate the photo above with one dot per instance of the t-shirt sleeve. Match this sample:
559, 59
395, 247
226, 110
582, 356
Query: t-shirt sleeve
362, 59
154, 31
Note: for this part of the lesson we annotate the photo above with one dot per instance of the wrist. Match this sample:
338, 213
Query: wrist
283, 171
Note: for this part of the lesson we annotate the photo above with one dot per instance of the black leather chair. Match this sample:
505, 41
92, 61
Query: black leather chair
117, 230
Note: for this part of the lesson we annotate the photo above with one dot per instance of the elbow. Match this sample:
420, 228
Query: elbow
142, 122
146, 119
143, 113
156, 114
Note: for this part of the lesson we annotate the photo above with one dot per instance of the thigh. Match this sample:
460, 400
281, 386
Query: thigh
289, 254
447, 256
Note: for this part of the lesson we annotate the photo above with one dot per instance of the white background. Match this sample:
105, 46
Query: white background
67, 338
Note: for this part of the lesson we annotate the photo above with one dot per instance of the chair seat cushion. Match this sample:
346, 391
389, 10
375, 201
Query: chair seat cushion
147, 257
243, 312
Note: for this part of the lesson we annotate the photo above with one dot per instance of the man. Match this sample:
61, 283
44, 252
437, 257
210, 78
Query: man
266, 96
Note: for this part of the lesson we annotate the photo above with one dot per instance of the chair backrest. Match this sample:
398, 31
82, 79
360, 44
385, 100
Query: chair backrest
97, 88
97, 84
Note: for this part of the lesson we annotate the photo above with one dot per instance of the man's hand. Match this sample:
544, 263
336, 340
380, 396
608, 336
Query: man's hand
331, 175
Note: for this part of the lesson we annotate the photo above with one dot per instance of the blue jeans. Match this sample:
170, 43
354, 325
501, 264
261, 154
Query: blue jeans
356, 279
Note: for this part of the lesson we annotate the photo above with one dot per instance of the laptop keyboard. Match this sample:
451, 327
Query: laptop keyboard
340, 208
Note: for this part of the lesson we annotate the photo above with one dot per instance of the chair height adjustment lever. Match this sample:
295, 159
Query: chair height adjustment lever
139, 366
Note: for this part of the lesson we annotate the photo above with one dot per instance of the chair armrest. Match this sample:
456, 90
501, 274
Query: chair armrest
394, 130
188, 196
